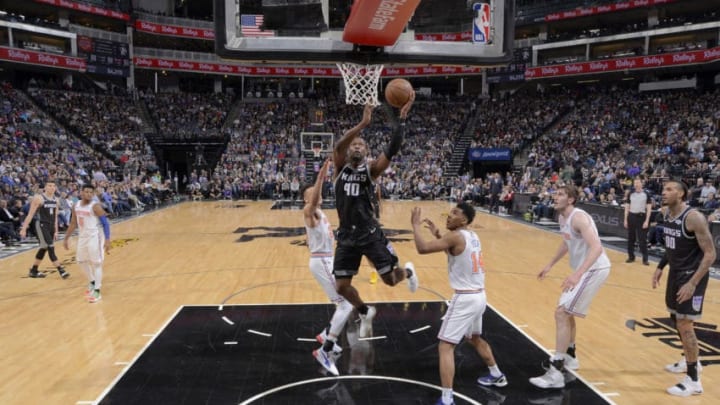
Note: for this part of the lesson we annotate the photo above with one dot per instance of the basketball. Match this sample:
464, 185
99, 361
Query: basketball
398, 92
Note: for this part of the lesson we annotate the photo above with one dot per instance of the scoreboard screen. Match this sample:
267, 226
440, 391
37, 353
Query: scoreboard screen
105, 57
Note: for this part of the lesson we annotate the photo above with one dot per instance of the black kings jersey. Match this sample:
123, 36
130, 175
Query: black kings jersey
354, 198
683, 251
46, 212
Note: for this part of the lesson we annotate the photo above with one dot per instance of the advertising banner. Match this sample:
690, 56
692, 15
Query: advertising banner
635, 62
606, 8
294, 71
43, 59
87, 8
174, 30
490, 154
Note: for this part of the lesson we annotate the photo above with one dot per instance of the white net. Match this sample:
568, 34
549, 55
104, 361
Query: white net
361, 83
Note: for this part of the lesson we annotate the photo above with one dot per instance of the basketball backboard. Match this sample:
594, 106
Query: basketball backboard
439, 32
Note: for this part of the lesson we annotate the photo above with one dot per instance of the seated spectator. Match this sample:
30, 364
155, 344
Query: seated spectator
544, 207
214, 193
714, 216
64, 210
7, 216
197, 194
655, 232
710, 202
8, 225
506, 199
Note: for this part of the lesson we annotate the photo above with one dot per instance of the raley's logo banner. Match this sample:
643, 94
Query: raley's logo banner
661, 329
608, 8
175, 30
86, 8
43, 59
614, 65
293, 71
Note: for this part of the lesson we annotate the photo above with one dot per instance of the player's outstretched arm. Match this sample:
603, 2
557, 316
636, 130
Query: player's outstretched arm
378, 166
315, 194
340, 148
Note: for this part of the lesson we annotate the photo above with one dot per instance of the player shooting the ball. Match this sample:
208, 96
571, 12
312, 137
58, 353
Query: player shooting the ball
359, 232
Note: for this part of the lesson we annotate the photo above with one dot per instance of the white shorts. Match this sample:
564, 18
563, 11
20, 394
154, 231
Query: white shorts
577, 301
463, 317
322, 270
91, 249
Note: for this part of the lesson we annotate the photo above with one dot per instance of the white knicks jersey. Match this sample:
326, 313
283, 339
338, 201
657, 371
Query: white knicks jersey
88, 222
466, 269
577, 247
320, 238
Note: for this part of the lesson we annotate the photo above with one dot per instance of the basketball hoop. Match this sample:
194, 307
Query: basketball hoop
361, 83
317, 151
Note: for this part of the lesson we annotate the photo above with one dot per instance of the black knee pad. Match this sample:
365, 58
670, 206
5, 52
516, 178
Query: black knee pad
51, 252
673, 321
40, 254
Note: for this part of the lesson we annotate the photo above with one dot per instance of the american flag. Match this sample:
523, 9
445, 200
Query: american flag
250, 26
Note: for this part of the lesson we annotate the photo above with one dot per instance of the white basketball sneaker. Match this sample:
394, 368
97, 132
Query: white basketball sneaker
553, 378
686, 387
326, 361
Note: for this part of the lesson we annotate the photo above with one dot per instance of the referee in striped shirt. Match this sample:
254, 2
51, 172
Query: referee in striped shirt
638, 208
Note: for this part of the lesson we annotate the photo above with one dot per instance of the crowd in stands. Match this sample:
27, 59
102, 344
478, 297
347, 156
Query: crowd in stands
597, 138
603, 139
263, 159
34, 149
617, 134
188, 115
110, 123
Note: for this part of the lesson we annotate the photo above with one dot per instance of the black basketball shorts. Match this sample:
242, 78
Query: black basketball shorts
692, 308
378, 250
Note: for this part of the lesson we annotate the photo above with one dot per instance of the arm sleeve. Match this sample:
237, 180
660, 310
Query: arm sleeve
106, 226
398, 131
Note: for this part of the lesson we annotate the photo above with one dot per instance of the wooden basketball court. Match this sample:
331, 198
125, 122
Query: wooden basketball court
58, 349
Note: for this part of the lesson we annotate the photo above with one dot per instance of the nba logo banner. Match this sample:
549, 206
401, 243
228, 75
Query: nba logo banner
481, 23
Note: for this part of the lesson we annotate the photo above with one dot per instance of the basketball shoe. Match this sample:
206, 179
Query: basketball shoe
553, 378
90, 289
488, 380
326, 361
63, 273
681, 366
686, 387
36, 274
413, 281
366, 323
322, 337
94, 297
